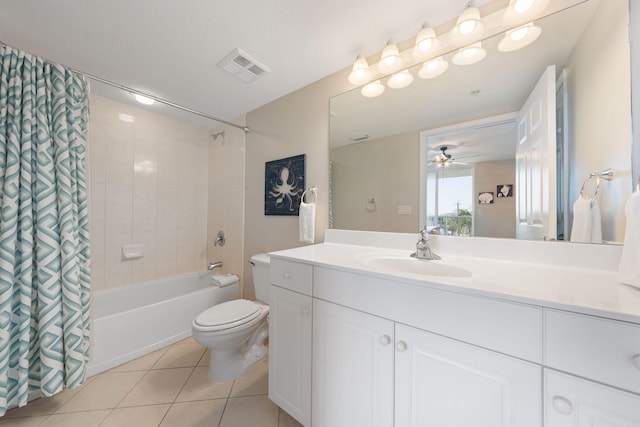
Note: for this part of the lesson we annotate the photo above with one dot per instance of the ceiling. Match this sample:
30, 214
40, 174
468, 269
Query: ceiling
170, 49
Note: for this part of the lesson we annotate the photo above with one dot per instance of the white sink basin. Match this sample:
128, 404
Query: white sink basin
418, 266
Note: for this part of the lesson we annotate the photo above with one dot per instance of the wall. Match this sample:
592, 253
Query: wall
599, 70
357, 178
295, 124
148, 184
226, 201
497, 219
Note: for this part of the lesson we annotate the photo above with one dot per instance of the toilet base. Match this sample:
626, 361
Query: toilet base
226, 365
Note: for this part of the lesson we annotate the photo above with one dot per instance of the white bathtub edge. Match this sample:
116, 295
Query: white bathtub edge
94, 369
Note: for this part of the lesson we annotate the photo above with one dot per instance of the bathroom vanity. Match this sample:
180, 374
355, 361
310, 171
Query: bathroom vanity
363, 335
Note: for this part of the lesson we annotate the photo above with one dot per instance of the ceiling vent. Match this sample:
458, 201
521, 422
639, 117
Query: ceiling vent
243, 66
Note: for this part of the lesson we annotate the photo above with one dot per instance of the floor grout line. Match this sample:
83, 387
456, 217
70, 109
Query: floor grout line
225, 413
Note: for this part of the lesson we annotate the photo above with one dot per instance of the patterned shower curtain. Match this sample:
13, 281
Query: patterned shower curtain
44, 235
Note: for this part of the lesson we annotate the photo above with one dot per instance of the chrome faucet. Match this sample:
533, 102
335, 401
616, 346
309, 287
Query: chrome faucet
423, 251
213, 265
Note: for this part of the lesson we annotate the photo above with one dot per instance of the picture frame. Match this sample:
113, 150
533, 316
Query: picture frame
284, 185
485, 198
504, 190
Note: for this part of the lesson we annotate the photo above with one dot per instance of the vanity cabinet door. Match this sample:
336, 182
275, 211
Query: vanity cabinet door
290, 352
352, 368
443, 382
575, 402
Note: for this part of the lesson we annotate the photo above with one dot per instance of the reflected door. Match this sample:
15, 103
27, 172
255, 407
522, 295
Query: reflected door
536, 162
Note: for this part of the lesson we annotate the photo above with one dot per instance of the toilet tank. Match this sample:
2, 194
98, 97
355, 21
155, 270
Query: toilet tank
260, 268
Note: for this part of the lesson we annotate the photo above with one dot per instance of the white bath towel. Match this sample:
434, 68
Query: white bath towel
307, 222
629, 269
587, 221
222, 280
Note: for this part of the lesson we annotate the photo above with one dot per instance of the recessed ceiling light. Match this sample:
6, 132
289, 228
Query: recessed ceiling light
144, 99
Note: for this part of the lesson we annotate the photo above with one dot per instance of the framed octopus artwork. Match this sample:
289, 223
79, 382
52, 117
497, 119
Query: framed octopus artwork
283, 185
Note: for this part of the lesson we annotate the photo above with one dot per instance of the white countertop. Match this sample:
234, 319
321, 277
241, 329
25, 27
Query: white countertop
583, 290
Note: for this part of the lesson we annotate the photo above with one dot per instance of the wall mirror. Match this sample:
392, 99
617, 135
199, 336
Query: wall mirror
382, 149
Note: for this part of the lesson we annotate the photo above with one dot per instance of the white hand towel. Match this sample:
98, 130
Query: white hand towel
629, 269
596, 222
222, 280
307, 222
587, 221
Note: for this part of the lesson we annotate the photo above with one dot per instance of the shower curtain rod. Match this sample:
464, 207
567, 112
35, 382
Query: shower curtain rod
155, 98
163, 101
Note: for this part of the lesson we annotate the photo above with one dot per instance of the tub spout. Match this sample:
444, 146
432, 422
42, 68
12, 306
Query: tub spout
213, 265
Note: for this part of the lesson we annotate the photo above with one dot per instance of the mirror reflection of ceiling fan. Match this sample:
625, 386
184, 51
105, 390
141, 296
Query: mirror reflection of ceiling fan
445, 160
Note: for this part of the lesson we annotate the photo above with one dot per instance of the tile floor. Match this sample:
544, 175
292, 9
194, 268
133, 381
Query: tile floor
165, 388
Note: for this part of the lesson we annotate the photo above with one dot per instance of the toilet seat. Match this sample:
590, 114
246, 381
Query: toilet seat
228, 315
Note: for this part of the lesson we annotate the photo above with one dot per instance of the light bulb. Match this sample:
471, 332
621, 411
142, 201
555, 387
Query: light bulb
372, 89
521, 6
399, 80
520, 37
426, 39
433, 68
518, 34
390, 59
468, 25
520, 11
426, 42
469, 55
360, 72
390, 54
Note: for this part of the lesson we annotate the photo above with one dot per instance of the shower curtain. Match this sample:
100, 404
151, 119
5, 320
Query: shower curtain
44, 235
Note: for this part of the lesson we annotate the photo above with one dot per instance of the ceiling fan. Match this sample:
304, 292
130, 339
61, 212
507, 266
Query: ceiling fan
444, 159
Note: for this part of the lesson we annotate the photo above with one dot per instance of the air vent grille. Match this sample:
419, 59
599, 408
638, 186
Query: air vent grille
243, 66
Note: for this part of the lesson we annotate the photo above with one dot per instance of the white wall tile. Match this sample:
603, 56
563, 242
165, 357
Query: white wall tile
119, 201
149, 185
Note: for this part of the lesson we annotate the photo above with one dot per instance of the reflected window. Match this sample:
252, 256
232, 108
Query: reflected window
450, 201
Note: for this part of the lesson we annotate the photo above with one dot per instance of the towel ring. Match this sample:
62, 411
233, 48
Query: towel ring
312, 190
372, 205
596, 190
605, 174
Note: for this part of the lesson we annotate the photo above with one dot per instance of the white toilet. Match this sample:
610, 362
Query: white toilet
235, 331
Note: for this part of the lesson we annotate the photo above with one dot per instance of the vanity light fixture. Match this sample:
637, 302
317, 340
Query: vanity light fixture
520, 37
426, 42
143, 99
390, 59
520, 11
470, 54
433, 68
360, 72
400, 79
469, 25
372, 89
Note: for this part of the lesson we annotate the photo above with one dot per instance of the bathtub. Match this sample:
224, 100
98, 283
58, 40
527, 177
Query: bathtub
133, 320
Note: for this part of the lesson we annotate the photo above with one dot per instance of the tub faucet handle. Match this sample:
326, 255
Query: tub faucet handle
220, 240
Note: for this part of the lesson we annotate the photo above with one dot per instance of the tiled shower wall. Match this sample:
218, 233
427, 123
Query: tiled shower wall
148, 186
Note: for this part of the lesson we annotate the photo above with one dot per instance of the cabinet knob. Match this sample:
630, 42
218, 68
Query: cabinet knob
401, 346
286, 275
385, 340
636, 360
562, 405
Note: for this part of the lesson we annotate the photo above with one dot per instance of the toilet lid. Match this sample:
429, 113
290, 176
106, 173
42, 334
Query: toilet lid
228, 314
